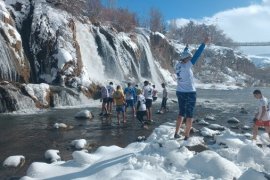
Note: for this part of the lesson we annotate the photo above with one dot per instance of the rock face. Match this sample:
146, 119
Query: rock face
14, 65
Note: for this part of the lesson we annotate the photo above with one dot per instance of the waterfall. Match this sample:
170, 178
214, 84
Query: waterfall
12, 99
64, 99
7, 68
113, 69
93, 65
155, 75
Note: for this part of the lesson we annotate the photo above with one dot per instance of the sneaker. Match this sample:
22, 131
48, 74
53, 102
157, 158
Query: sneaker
186, 138
101, 114
176, 136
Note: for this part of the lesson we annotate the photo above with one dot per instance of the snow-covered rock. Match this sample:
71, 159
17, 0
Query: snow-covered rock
84, 114
60, 125
79, 143
14, 161
52, 155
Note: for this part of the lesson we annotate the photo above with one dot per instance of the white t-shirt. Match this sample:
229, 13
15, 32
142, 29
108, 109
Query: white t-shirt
263, 102
165, 93
185, 80
142, 101
148, 92
110, 90
104, 92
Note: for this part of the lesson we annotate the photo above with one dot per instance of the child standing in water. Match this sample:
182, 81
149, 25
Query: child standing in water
141, 108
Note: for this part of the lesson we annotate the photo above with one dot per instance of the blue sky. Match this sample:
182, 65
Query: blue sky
241, 20
172, 9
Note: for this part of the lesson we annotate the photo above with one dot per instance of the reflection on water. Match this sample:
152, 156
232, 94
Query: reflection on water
32, 135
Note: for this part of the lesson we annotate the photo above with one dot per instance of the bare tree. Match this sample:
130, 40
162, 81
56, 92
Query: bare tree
94, 8
193, 33
156, 20
111, 4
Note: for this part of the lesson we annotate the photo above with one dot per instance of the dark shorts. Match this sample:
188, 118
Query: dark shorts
105, 100
154, 98
110, 100
120, 108
164, 102
140, 115
148, 103
186, 102
130, 103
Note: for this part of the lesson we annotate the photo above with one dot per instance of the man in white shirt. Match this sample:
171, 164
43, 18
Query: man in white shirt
111, 90
148, 94
185, 91
262, 117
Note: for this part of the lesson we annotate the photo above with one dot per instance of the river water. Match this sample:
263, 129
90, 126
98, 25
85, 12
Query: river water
31, 135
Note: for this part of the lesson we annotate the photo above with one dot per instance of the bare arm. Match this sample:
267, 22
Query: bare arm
264, 109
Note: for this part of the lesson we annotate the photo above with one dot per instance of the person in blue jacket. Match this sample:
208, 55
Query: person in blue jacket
130, 96
185, 90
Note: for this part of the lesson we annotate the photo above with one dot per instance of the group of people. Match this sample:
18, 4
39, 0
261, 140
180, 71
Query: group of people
186, 95
139, 100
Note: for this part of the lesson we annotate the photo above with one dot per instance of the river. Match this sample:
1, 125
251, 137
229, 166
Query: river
32, 134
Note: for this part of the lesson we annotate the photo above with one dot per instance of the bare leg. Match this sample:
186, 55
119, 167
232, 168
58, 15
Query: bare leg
178, 123
255, 132
150, 113
118, 118
188, 126
134, 111
267, 129
124, 117
147, 113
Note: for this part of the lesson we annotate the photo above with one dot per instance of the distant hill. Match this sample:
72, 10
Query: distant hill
260, 61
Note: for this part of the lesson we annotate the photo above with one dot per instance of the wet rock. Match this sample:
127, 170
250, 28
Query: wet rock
203, 122
243, 111
233, 120
198, 148
216, 127
141, 138
246, 127
210, 118
235, 127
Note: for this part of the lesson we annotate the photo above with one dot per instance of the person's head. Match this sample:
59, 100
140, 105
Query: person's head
153, 86
163, 85
139, 91
129, 84
145, 83
111, 83
136, 85
118, 87
257, 94
186, 55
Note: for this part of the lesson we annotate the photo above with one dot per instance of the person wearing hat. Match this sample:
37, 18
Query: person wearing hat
185, 90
